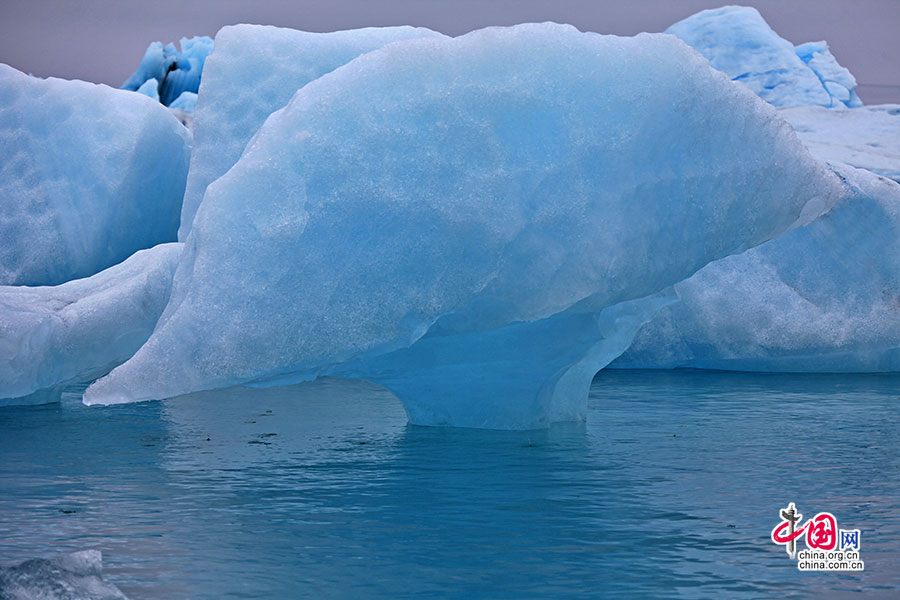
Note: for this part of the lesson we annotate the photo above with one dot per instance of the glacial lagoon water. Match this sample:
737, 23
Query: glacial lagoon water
670, 489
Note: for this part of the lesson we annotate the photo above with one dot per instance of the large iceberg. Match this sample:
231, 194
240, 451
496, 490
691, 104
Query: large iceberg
738, 41
821, 298
253, 72
174, 72
89, 175
78, 331
478, 223
867, 137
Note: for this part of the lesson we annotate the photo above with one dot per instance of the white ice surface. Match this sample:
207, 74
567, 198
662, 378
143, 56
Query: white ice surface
77, 331
867, 138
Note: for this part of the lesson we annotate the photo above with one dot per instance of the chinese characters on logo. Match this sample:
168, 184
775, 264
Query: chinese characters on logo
828, 548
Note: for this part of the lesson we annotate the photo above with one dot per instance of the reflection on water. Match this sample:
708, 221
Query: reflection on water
322, 490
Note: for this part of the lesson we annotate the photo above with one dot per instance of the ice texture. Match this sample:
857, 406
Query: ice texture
89, 175
183, 108
867, 137
78, 331
478, 223
75, 576
187, 102
175, 72
150, 88
838, 81
821, 298
523, 375
738, 41
253, 72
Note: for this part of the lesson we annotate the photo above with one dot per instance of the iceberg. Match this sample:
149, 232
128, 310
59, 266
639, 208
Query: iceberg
175, 72
738, 42
253, 72
821, 298
838, 81
89, 176
478, 223
867, 137
75, 332
75, 576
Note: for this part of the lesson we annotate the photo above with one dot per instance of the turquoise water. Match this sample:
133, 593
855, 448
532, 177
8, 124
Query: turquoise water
669, 490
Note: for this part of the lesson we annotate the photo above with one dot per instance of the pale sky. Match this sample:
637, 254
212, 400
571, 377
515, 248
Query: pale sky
103, 40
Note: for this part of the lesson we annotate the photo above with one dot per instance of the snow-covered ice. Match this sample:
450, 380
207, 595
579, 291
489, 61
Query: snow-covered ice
738, 41
78, 331
501, 211
867, 137
89, 175
825, 297
253, 72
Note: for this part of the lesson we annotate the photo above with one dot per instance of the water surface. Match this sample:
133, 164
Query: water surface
322, 490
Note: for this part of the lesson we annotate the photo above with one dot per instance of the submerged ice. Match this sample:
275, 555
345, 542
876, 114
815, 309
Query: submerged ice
74, 576
89, 175
479, 223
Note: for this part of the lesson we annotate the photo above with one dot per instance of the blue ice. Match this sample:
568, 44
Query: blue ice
738, 41
253, 72
477, 223
175, 71
89, 175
